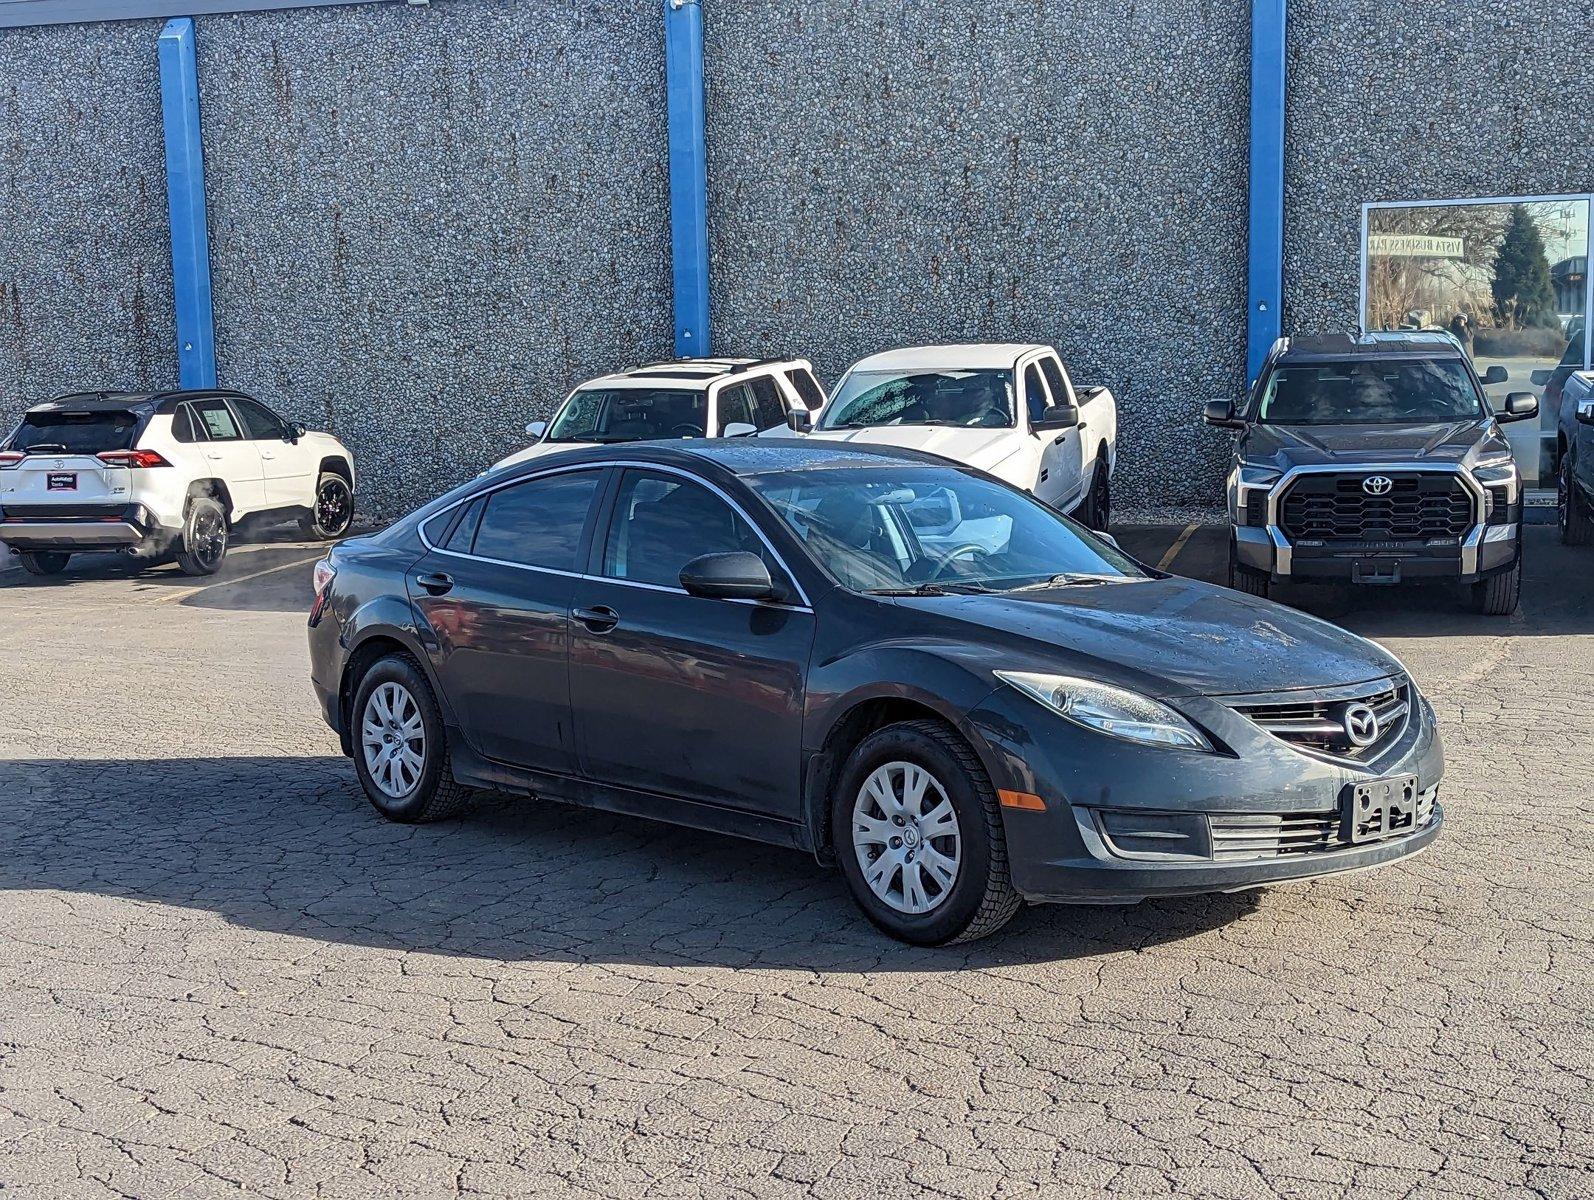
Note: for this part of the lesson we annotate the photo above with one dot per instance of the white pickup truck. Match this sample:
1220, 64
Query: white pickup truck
1008, 410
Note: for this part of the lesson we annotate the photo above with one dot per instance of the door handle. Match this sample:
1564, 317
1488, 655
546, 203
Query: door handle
1059, 439
438, 584
599, 619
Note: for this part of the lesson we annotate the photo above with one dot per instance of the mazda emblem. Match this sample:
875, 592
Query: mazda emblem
1377, 485
1361, 723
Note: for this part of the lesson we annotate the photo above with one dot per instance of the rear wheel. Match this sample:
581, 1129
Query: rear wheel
43, 562
333, 510
203, 545
1577, 523
1247, 579
401, 745
919, 836
1499, 595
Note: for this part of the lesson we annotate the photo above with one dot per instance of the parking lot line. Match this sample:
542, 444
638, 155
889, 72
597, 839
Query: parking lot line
180, 594
1178, 544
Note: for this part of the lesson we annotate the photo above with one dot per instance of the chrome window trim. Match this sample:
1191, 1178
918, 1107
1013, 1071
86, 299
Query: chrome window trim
806, 605
1284, 550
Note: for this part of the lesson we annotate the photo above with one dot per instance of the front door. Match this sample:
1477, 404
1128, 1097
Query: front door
495, 598
287, 470
1064, 456
677, 694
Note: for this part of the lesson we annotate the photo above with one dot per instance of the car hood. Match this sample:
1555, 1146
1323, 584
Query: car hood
983, 449
1442, 443
1168, 637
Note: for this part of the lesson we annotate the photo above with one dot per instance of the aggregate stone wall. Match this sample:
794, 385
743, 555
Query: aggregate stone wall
885, 173
427, 224
85, 257
1391, 102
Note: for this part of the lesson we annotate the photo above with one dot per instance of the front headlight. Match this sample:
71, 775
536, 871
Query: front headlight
1498, 469
1254, 476
1115, 711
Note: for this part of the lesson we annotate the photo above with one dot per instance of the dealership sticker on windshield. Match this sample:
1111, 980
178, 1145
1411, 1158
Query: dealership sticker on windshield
61, 481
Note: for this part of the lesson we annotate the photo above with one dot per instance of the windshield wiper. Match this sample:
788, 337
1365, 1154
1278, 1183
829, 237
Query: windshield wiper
1069, 579
930, 589
45, 447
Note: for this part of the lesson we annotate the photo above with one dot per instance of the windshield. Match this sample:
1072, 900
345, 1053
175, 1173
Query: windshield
975, 399
75, 432
1376, 392
902, 527
630, 415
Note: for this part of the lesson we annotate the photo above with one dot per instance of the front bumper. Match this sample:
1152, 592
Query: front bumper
1061, 855
82, 528
1486, 551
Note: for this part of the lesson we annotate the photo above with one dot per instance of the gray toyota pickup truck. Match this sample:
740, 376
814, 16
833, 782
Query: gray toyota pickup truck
1374, 460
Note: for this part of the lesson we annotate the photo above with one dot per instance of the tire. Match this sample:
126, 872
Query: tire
1499, 595
202, 548
1246, 579
979, 898
333, 511
1098, 501
414, 789
1577, 523
43, 562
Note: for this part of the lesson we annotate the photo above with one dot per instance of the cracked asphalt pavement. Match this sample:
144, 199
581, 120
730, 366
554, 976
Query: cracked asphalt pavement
221, 973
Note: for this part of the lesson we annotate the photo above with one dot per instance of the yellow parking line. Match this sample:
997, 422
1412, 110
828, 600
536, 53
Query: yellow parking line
1178, 544
185, 593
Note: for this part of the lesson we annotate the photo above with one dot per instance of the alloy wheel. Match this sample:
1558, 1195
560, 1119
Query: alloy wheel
209, 541
905, 834
393, 738
333, 507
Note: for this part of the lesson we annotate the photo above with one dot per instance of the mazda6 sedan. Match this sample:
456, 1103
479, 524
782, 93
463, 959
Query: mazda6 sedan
907, 668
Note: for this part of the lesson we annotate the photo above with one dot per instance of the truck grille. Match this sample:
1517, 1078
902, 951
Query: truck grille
1325, 726
1237, 836
1417, 506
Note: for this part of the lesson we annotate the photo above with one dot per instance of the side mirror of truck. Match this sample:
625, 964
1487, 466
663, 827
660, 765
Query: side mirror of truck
1496, 374
1541, 377
1585, 412
739, 429
1220, 415
1519, 406
799, 420
536, 429
1059, 416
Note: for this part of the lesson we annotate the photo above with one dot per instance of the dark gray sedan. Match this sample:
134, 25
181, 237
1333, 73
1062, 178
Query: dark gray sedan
909, 669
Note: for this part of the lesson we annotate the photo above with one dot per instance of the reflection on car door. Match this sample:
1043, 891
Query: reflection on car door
494, 596
229, 455
678, 694
1064, 454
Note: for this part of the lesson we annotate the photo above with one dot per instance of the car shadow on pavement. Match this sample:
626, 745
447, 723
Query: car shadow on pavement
290, 846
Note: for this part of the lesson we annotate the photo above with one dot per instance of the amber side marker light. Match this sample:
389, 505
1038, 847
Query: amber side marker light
1024, 800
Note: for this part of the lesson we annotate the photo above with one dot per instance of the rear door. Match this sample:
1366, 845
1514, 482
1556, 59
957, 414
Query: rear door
59, 464
229, 455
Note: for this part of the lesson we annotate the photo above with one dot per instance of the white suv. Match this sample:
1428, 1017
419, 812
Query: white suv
162, 473
692, 397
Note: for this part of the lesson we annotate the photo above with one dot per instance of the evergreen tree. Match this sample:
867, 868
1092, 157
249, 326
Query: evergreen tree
1523, 296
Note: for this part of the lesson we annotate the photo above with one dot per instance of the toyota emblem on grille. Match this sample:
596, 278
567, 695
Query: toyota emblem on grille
1377, 485
1361, 724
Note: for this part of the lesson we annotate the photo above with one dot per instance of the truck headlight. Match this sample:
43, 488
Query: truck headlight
1114, 711
1255, 476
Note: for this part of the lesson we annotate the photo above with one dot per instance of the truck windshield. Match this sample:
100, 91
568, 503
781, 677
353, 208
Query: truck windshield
1375, 392
630, 415
75, 432
972, 399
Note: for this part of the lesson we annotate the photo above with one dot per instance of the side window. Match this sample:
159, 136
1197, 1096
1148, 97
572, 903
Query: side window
216, 419
459, 538
1034, 394
1062, 392
736, 404
538, 522
184, 427
769, 410
259, 422
661, 522
807, 387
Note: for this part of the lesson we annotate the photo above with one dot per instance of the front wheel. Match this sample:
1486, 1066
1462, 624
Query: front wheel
401, 745
1097, 512
1577, 523
202, 548
333, 511
43, 562
1499, 595
919, 836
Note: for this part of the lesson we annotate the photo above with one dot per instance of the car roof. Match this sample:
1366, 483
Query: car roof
968, 356
142, 402
686, 373
1331, 347
742, 456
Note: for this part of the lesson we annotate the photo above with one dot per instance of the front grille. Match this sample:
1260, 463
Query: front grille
1417, 506
1238, 836
1325, 726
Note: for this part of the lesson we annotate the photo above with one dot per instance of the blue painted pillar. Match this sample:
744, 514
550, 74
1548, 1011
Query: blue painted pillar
185, 205
1265, 291
683, 72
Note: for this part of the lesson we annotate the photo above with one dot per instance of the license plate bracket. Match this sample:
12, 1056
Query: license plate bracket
1381, 808
61, 481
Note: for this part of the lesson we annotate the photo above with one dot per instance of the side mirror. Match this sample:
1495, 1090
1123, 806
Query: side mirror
734, 576
1108, 538
1496, 374
799, 420
739, 429
1585, 412
1541, 377
536, 429
1519, 406
1220, 415
1059, 416
293, 432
